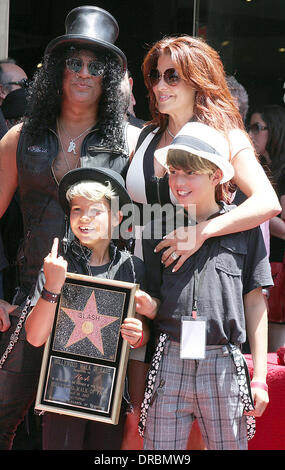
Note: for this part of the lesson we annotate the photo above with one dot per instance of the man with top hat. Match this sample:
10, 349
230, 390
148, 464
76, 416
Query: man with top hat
75, 119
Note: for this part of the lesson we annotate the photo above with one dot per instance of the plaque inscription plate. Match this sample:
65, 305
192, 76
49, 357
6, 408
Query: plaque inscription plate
84, 385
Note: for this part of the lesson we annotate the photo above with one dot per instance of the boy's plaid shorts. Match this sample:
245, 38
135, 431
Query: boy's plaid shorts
205, 389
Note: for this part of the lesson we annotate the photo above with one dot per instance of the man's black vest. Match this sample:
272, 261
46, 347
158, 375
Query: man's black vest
43, 217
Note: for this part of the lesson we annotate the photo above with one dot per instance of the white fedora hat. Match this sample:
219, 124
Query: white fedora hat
203, 141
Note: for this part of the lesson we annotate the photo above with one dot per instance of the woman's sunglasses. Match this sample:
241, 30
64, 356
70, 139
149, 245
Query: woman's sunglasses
95, 67
256, 128
170, 76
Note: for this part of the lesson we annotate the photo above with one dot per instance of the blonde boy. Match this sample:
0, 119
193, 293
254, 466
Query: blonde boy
87, 196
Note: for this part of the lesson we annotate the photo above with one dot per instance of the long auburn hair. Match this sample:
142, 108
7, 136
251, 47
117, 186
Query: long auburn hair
201, 67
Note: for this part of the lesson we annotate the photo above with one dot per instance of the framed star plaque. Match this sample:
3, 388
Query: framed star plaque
84, 363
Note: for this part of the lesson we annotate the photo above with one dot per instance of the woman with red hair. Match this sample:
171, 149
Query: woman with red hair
186, 82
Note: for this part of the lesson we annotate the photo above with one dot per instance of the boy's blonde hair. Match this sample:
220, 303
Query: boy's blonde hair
187, 161
91, 190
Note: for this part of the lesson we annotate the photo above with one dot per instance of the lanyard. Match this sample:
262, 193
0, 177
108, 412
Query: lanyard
198, 279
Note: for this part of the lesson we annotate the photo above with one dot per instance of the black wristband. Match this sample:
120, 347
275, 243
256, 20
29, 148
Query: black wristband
49, 296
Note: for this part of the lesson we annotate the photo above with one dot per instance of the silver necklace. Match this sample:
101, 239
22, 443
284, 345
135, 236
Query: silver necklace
71, 146
108, 274
63, 151
170, 133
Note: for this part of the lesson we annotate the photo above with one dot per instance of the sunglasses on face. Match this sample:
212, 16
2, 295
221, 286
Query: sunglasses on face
95, 67
170, 76
256, 128
24, 83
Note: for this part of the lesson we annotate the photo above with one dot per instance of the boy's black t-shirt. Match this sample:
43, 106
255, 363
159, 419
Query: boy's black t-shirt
235, 265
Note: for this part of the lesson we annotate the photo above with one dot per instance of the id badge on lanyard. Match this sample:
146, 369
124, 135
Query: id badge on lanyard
193, 338
193, 328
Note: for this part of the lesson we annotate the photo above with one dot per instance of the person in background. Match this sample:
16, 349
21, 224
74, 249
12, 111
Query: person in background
14, 106
127, 89
239, 94
267, 131
12, 77
13, 82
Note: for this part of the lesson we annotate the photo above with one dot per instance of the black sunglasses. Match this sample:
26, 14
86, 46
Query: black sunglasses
95, 67
24, 83
170, 76
256, 128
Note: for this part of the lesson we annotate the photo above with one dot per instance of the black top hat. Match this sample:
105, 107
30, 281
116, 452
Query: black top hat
98, 175
90, 26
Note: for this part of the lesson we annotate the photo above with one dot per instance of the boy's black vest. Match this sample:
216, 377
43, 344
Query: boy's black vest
43, 217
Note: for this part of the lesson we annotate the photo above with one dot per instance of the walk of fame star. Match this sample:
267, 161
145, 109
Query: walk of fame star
91, 327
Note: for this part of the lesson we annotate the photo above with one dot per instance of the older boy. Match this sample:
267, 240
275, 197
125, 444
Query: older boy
206, 308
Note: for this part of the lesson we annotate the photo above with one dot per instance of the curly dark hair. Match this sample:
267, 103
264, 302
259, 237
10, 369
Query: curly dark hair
45, 94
